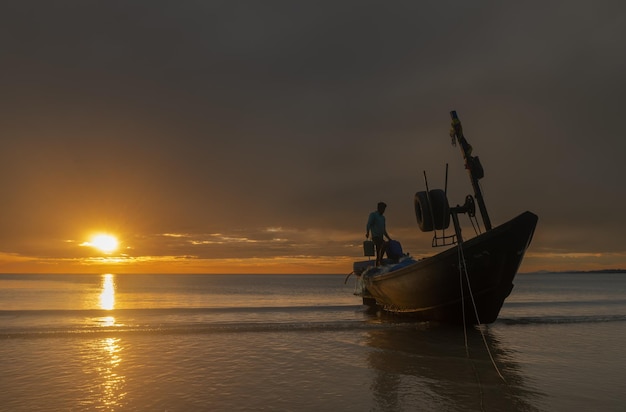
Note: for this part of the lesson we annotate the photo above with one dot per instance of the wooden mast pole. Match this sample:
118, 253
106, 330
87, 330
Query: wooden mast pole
472, 165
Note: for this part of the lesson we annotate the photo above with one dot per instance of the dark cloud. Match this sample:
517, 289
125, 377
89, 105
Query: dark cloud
220, 117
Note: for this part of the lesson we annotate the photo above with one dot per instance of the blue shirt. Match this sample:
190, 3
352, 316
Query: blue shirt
376, 224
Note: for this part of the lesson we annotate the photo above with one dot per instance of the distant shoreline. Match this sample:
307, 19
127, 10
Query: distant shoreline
539, 272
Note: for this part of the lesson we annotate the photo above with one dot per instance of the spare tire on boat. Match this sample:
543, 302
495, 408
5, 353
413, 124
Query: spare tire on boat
434, 214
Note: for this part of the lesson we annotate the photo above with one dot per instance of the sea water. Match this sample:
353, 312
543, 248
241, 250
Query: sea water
301, 343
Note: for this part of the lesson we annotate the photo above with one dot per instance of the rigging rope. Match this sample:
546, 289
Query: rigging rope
476, 226
462, 300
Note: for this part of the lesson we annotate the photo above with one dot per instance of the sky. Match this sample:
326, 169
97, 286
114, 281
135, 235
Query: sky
257, 136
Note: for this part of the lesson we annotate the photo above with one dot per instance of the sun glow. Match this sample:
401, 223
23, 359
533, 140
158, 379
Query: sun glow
105, 243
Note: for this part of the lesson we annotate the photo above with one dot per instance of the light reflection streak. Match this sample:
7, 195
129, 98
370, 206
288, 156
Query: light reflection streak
104, 384
106, 321
107, 297
113, 383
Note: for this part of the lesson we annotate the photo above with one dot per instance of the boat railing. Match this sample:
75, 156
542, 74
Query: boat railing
469, 209
440, 241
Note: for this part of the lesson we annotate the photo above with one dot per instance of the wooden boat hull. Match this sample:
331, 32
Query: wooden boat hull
430, 289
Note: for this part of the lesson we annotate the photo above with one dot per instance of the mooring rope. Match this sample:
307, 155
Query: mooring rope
463, 269
467, 354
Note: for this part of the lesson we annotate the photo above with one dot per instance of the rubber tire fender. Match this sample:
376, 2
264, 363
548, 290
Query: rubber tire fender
434, 214
422, 212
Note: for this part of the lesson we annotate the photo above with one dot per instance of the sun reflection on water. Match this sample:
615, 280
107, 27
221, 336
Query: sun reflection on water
113, 383
107, 297
103, 386
106, 321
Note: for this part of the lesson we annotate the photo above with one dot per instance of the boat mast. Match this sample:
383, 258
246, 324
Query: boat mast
472, 164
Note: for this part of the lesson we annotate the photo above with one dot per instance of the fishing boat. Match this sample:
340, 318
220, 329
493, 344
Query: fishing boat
467, 282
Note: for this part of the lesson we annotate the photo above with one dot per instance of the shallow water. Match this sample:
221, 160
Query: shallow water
257, 342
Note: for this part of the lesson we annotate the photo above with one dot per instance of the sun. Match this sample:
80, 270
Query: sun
105, 243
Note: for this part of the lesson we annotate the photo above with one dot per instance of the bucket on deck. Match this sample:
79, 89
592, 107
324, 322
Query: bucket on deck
368, 248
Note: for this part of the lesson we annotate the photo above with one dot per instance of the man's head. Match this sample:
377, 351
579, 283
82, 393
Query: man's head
381, 207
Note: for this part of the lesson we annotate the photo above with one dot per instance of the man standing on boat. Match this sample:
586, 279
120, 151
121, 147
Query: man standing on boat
376, 224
